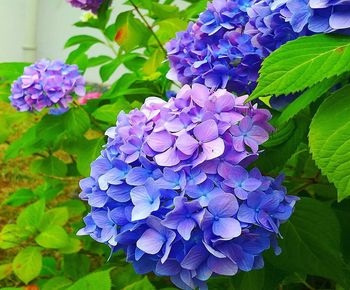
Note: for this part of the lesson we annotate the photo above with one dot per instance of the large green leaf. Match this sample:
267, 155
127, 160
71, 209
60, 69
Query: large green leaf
329, 140
93, 281
27, 264
108, 113
305, 99
302, 63
12, 70
51, 166
143, 284
311, 242
57, 216
31, 217
79, 39
54, 237
76, 122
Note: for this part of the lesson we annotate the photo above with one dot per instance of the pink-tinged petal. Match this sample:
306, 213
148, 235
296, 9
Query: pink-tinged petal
246, 124
251, 184
246, 214
160, 141
258, 134
238, 143
174, 125
167, 158
200, 94
185, 228
206, 131
150, 242
224, 103
225, 205
231, 117
233, 174
214, 148
227, 228
186, 144
222, 266
252, 144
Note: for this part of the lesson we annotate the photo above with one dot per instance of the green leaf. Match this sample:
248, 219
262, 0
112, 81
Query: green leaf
31, 217
57, 216
73, 246
329, 140
306, 99
19, 197
87, 152
11, 235
98, 60
76, 266
302, 63
79, 39
311, 242
75, 207
272, 160
76, 122
163, 11
57, 283
155, 60
27, 264
12, 70
94, 281
51, 166
54, 237
167, 29
108, 113
109, 68
143, 284
5, 270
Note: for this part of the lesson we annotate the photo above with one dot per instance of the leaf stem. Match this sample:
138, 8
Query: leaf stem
148, 26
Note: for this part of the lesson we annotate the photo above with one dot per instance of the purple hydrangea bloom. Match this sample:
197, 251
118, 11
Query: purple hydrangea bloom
214, 51
185, 206
47, 84
91, 5
315, 15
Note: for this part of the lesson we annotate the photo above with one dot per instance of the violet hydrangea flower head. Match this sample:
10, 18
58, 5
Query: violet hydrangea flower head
171, 190
46, 84
214, 51
315, 15
90, 5
269, 28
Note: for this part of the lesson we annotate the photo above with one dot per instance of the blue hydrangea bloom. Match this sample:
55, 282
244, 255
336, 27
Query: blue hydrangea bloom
318, 16
47, 84
171, 188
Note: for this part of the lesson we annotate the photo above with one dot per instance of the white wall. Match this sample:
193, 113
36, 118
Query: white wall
54, 26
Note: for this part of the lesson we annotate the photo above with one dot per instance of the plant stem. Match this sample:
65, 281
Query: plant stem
110, 44
148, 26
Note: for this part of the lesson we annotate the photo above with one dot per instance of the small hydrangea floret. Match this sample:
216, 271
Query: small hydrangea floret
171, 188
89, 5
47, 84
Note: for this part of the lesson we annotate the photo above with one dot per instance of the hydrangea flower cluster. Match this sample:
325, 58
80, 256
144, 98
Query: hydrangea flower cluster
268, 28
315, 15
214, 51
171, 188
225, 47
90, 5
46, 84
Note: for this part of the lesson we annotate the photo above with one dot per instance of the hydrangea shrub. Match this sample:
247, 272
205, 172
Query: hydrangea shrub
190, 188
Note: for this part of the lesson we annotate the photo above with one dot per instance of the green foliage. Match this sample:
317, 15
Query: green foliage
302, 63
329, 141
94, 281
27, 264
